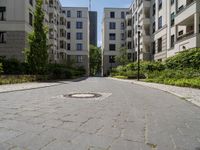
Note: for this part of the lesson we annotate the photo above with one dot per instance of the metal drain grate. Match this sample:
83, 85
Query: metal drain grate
83, 95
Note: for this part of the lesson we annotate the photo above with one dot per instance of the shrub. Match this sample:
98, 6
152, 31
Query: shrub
186, 59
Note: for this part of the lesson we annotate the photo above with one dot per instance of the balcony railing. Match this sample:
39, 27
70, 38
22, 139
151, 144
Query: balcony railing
185, 35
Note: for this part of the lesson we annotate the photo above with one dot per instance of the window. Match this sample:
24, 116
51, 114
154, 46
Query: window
68, 46
79, 14
172, 2
153, 48
129, 45
112, 14
79, 36
129, 56
172, 18
122, 15
79, 59
122, 36
122, 25
160, 4
129, 22
112, 36
31, 2
30, 19
68, 36
68, 25
111, 59
62, 44
2, 13
172, 40
129, 34
154, 9
180, 33
68, 13
159, 45
2, 37
79, 47
112, 47
154, 27
79, 25
160, 22
112, 25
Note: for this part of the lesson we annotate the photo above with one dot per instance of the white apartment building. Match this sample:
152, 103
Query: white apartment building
77, 34
113, 35
167, 27
68, 35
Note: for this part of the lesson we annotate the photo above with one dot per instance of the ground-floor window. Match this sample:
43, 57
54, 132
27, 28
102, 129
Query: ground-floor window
79, 59
2, 37
111, 59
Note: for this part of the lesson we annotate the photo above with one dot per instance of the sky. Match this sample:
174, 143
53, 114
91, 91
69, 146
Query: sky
97, 5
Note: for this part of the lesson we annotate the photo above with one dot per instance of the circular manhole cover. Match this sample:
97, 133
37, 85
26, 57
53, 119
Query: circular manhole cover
83, 95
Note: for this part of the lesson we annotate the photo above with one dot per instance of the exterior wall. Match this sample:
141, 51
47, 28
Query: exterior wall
186, 17
15, 43
16, 27
84, 53
93, 27
106, 32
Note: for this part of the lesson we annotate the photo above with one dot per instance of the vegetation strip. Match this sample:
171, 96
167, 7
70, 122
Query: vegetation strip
182, 70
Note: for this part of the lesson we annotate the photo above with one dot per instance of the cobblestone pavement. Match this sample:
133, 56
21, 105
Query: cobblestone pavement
126, 117
190, 94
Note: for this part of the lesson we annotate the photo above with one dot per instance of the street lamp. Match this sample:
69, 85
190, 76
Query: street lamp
138, 69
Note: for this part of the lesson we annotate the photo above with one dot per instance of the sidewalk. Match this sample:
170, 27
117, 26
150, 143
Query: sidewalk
24, 86
189, 94
35, 85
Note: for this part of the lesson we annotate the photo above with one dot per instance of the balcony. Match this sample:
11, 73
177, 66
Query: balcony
186, 11
144, 4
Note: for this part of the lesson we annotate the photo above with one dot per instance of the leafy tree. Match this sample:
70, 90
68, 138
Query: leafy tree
37, 54
122, 58
95, 60
1, 68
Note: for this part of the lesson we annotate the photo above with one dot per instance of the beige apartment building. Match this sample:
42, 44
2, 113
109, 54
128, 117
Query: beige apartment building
78, 40
113, 35
167, 27
68, 35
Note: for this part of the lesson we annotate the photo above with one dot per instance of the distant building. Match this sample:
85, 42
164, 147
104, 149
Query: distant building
78, 35
113, 36
93, 27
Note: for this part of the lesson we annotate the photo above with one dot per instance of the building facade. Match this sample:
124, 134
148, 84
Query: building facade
78, 39
113, 36
166, 27
68, 36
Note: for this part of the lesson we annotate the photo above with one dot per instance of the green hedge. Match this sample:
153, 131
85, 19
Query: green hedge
52, 71
182, 69
186, 59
